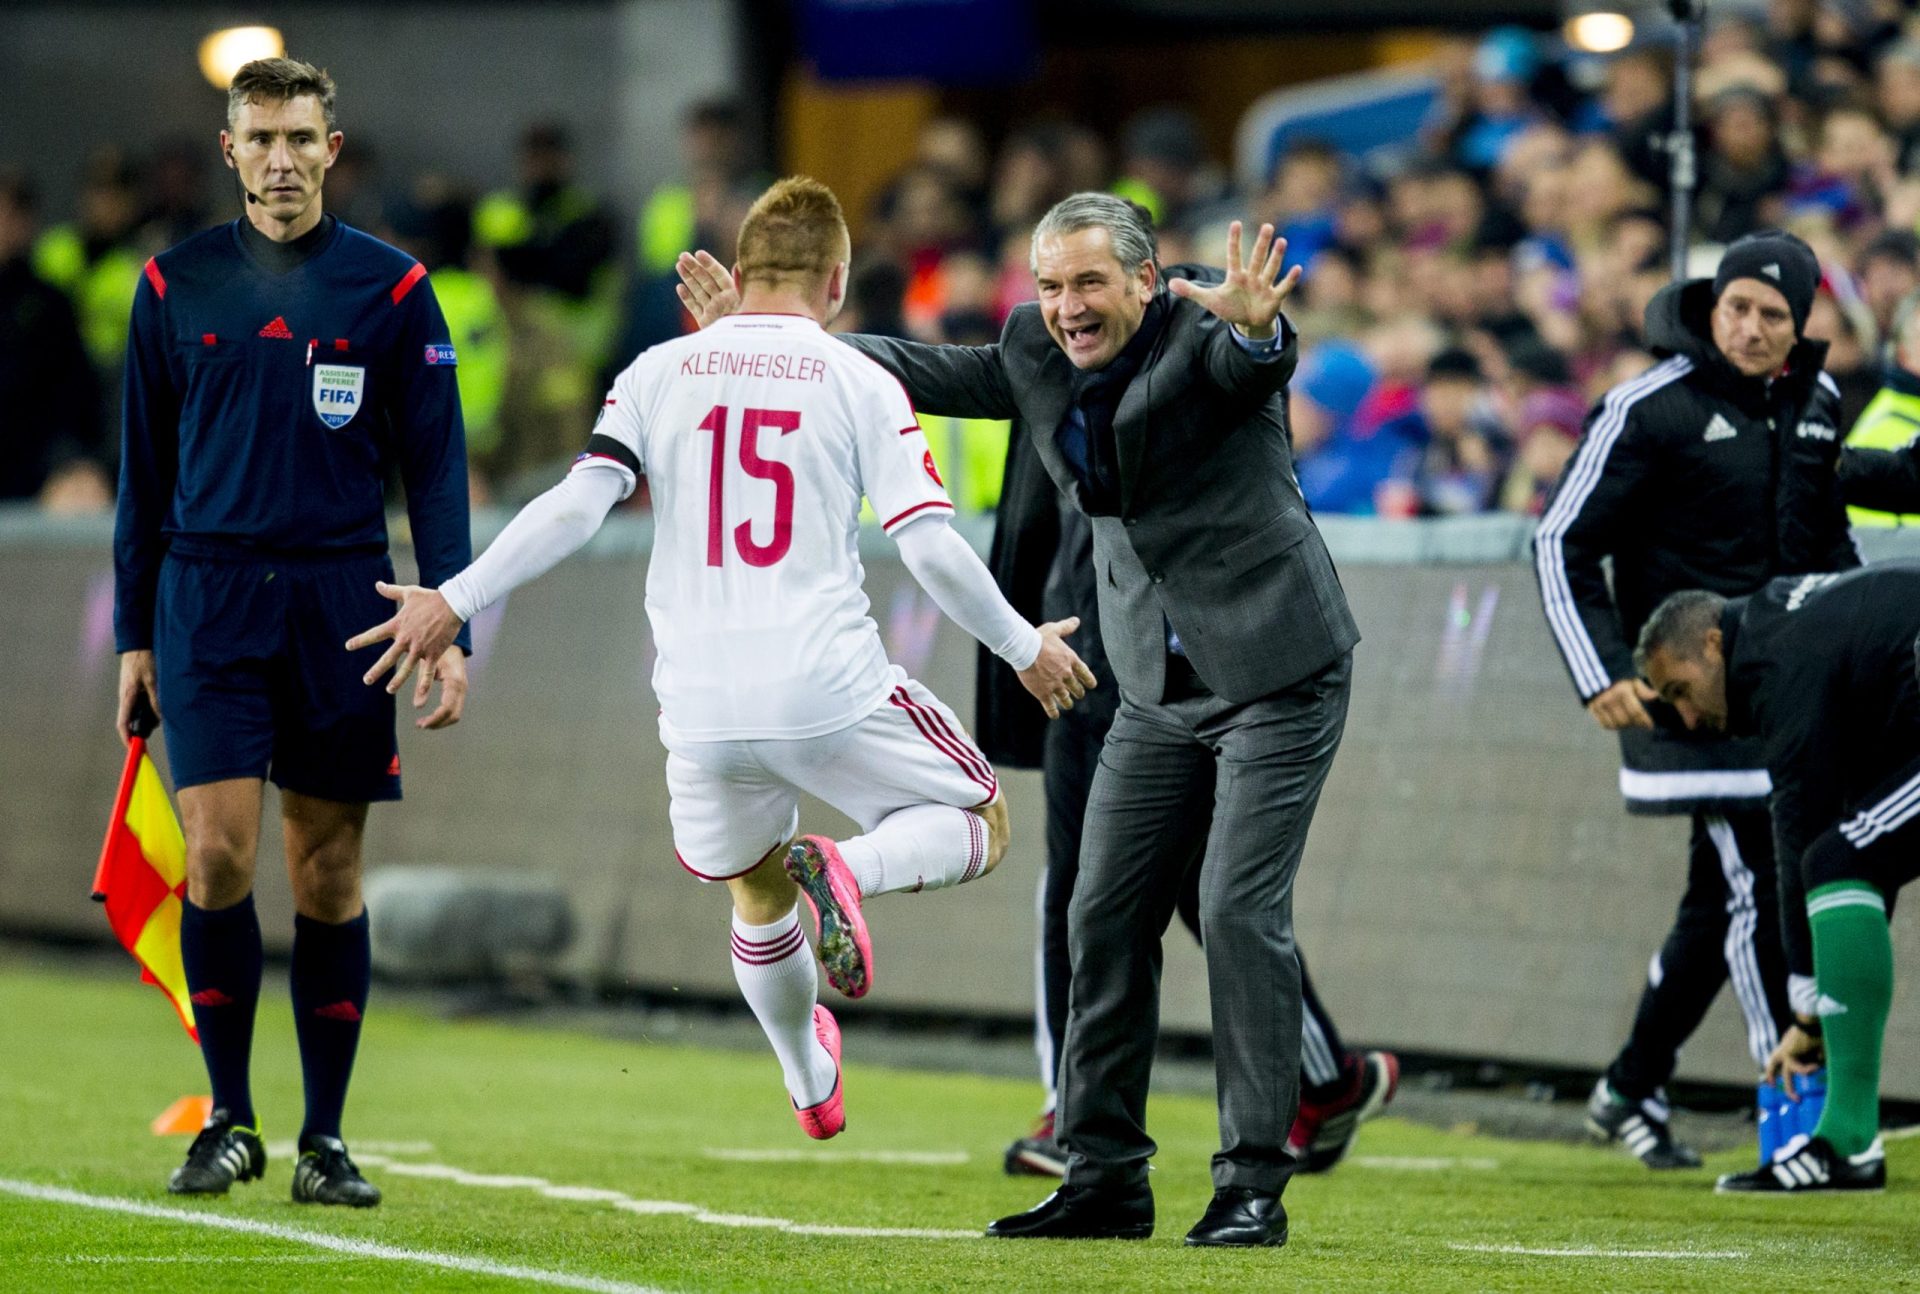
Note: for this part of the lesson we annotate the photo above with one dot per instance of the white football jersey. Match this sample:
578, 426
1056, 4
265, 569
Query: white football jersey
758, 437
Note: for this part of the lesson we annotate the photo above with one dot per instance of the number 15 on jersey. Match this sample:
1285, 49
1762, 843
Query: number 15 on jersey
752, 423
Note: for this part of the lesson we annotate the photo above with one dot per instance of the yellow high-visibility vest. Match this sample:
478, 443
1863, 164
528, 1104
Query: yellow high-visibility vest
970, 455
101, 291
1891, 420
479, 332
666, 227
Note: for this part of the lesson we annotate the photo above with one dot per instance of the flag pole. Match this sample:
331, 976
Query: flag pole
139, 728
1682, 173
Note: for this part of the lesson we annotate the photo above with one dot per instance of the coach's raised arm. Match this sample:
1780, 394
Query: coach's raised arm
1158, 408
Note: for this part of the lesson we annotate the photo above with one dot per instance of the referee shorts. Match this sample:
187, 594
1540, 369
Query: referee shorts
255, 679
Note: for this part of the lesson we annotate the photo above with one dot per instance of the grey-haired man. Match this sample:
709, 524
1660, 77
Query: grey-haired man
1160, 409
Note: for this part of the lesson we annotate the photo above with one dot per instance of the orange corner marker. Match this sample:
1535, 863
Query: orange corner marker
184, 1117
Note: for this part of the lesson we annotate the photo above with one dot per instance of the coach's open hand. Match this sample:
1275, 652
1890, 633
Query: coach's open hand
1058, 677
706, 287
1254, 290
422, 631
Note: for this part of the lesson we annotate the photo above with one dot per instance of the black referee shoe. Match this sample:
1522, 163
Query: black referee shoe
1611, 1117
324, 1175
1816, 1166
220, 1156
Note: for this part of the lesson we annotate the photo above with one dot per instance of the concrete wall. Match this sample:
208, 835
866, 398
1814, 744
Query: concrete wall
1471, 885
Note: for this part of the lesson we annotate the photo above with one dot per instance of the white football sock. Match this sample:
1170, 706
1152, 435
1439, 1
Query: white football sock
926, 847
775, 971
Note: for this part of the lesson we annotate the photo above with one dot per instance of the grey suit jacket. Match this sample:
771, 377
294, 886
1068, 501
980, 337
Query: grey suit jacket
1212, 534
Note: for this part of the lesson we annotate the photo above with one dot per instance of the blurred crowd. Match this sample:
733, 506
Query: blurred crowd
1468, 294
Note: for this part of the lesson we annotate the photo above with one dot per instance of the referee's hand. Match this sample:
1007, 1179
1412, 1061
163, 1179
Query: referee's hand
1058, 677
136, 678
422, 634
1624, 705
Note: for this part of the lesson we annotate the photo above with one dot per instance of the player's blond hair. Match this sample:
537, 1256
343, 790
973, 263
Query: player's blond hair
794, 233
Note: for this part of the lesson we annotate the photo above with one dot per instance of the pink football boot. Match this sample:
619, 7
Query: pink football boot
830, 1116
840, 932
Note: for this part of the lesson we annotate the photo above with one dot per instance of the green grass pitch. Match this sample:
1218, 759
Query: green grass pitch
468, 1114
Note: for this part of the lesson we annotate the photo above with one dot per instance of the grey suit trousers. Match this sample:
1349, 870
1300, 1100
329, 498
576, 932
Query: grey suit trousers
1271, 758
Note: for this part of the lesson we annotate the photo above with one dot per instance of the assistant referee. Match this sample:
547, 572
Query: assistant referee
278, 368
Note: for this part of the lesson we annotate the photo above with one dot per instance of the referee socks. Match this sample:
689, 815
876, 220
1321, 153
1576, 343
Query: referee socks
220, 952
332, 970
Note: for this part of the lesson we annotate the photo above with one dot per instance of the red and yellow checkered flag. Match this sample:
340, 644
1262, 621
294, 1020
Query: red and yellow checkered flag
142, 877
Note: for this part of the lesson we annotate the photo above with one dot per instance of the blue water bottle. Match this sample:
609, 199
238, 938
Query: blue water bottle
1785, 1125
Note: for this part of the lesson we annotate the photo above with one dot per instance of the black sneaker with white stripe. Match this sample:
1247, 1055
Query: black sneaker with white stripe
220, 1156
1612, 1117
1816, 1166
324, 1175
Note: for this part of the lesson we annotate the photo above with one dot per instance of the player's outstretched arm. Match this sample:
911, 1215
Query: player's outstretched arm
959, 583
1058, 677
545, 532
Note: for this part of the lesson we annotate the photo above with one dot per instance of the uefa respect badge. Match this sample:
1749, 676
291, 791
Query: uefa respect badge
338, 390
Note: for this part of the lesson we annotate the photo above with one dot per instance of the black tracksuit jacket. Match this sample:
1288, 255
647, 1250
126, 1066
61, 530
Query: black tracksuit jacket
1689, 477
1822, 670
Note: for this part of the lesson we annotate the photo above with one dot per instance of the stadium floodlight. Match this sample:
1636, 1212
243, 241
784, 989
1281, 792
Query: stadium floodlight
231, 48
1599, 32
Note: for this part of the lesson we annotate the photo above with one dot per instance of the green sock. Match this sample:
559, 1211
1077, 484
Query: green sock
1853, 965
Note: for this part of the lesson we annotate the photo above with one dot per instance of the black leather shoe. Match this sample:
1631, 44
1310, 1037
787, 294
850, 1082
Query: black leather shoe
1241, 1217
1082, 1213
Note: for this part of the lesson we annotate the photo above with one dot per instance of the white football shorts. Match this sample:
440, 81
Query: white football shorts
734, 801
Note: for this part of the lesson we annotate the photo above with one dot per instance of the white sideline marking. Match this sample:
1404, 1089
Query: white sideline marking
99, 1259
584, 1194
288, 1149
458, 1176
653, 1207
1592, 1252
884, 1233
680, 1208
324, 1240
1900, 1134
929, 1158
1421, 1163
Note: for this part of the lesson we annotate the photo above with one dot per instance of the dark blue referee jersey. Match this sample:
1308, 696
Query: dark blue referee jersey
270, 390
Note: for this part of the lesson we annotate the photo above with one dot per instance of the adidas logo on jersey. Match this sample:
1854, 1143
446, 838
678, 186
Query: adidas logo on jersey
278, 329
1720, 429
1816, 431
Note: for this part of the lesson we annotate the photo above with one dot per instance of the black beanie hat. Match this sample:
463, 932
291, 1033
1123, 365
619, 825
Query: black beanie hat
1778, 259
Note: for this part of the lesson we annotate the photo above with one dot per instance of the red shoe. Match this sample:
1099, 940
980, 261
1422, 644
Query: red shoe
833, 896
1039, 1153
828, 1118
1323, 1133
